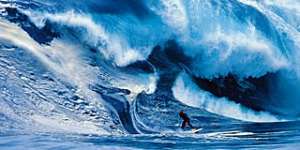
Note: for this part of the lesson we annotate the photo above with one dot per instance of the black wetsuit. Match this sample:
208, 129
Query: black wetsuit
186, 120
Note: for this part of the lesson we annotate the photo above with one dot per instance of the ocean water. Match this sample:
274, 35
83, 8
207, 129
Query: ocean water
99, 74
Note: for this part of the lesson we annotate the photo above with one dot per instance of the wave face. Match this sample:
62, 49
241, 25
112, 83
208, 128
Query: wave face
125, 66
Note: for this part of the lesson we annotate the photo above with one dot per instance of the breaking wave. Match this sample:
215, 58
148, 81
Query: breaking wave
86, 64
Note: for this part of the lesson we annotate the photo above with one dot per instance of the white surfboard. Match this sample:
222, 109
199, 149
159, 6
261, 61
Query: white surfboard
193, 131
196, 130
180, 131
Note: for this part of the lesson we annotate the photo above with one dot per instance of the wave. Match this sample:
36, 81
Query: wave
159, 48
209, 39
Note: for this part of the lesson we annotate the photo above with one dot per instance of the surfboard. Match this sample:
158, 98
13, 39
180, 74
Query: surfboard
196, 130
180, 131
193, 131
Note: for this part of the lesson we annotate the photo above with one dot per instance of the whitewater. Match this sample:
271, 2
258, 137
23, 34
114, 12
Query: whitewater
100, 74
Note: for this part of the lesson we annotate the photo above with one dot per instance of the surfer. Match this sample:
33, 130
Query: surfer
185, 118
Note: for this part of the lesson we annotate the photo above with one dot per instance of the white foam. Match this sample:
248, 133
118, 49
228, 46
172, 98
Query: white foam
61, 57
111, 46
291, 5
64, 124
242, 53
188, 93
173, 13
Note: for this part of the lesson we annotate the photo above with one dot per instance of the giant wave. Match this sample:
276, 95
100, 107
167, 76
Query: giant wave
101, 68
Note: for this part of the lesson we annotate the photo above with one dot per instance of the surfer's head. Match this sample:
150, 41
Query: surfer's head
181, 113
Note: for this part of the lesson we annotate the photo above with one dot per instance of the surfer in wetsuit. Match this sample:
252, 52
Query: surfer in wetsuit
185, 118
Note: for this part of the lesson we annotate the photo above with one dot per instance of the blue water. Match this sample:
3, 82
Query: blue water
101, 74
